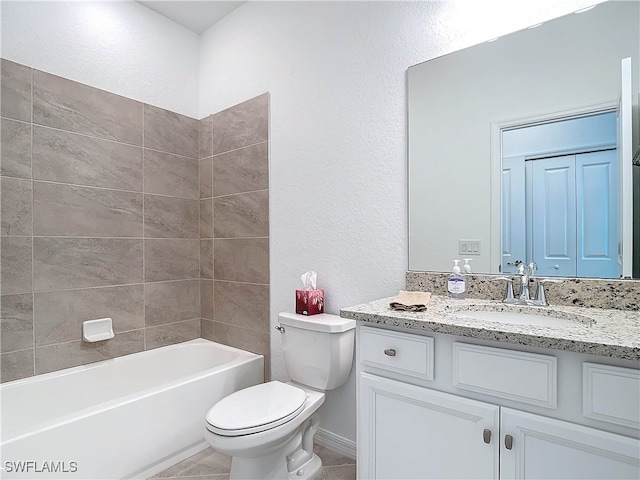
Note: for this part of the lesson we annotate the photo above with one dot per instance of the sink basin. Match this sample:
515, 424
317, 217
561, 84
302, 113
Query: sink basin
521, 315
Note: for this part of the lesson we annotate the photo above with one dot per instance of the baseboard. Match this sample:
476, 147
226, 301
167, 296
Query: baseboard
336, 443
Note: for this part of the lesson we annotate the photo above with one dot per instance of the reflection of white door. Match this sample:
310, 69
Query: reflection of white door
553, 209
574, 215
513, 216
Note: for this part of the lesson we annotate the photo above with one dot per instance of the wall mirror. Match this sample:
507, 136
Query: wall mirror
467, 109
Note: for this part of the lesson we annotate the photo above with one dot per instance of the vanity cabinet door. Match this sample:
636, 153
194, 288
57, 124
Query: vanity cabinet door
534, 447
411, 432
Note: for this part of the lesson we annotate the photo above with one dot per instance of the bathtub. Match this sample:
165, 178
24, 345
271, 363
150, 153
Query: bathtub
127, 417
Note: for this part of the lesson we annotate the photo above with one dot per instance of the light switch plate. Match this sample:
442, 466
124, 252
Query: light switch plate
469, 247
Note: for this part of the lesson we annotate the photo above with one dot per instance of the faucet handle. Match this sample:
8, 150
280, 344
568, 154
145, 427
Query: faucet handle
508, 295
532, 266
549, 280
541, 298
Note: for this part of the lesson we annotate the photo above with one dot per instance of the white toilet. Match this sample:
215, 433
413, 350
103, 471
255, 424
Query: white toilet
268, 429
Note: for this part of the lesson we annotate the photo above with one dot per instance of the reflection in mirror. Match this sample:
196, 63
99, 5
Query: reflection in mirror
560, 197
465, 111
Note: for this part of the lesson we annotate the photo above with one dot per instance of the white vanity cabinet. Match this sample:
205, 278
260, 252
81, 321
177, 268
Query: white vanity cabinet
414, 432
408, 428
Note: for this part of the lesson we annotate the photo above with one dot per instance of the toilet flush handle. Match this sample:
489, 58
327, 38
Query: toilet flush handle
280, 329
390, 352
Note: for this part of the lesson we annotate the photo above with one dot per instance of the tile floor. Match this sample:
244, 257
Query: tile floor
212, 465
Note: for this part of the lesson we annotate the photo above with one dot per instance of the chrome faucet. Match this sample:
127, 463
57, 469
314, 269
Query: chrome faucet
526, 271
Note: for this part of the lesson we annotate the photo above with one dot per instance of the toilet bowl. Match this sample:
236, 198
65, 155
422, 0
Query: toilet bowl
264, 428
268, 429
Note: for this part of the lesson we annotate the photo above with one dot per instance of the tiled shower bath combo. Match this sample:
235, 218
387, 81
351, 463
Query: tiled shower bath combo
115, 208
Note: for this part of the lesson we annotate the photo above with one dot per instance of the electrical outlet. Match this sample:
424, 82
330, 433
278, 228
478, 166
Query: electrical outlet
469, 247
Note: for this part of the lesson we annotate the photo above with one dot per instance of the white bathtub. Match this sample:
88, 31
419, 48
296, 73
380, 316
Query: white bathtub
128, 417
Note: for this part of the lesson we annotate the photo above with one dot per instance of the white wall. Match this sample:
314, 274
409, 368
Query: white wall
122, 47
336, 73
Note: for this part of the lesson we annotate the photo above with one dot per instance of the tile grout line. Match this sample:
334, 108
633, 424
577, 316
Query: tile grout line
110, 189
144, 276
33, 240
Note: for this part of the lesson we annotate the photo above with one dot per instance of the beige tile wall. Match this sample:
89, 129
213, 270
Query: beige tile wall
100, 217
234, 226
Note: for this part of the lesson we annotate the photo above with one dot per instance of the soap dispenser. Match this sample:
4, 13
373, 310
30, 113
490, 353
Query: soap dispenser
466, 268
457, 284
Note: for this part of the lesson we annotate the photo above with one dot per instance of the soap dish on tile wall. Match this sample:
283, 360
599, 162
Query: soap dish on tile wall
97, 330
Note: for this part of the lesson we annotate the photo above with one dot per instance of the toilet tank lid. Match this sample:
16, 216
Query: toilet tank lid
322, 322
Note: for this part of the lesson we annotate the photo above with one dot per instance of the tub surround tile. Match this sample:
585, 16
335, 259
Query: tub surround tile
170, 217
16, 273
16, 322
16, 206
168, 174
245, 339
16, 365
76, 107
206, 178
206, 218
171, 333
69, 210
206, 299
70, 158
241, 125
242, 304
242, 260
171, 259
207, 329
15, 154
243, 170
170, 132
71, 354
205, 137
582, 292
59, 315
170, 302
65, 263
15, 87
242, 215
206, 259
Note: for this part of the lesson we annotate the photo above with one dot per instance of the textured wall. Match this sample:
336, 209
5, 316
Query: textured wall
119, 46
99, 219
234, 226
336, 76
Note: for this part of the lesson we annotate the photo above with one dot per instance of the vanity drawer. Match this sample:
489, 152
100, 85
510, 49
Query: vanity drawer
521, 376
598, 381
397, 352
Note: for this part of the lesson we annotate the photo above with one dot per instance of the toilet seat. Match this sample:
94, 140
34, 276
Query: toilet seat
256, 409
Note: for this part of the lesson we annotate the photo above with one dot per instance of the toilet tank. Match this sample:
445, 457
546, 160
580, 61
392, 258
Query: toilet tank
317, 349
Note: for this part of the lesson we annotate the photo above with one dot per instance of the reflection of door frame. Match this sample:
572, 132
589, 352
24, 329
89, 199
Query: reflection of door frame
496, 164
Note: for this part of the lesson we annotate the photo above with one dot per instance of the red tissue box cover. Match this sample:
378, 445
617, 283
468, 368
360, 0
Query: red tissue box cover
309, 302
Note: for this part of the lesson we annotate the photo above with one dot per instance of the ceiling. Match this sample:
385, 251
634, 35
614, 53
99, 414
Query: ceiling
197, 16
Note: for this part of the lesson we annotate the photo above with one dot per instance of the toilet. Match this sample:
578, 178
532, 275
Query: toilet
268, 429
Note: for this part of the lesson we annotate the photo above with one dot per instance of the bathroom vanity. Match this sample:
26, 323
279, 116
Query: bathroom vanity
479, 389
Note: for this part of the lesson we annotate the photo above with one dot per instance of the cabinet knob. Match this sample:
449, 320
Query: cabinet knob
486, 435
508, 442
390, 352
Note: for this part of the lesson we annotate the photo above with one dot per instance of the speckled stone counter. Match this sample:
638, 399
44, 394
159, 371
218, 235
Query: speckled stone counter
595, 331
579, 292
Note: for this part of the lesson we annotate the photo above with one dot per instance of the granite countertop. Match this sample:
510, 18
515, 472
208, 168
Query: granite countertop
596, 331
